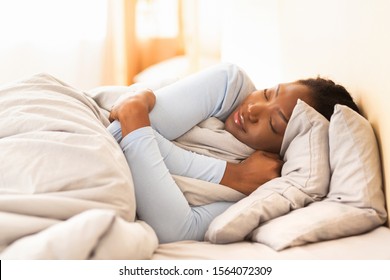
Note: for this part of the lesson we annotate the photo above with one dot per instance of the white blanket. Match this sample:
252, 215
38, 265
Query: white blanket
93, 234
59, 165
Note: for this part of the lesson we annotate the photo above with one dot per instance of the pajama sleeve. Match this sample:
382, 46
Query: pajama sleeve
214, 92
182, 162
160, 202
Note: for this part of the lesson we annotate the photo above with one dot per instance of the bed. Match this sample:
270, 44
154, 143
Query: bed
66, 191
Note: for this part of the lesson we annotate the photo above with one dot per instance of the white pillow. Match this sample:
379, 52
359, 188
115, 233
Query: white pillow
355, 162
355, 203
323, 220
305, 178
60, 158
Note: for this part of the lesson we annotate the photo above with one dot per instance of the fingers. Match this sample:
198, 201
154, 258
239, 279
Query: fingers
145, 96
274, 164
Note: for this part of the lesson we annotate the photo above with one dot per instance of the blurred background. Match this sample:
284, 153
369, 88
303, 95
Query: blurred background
88, 43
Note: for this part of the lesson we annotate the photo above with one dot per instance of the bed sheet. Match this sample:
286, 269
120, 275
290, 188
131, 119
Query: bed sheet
369, 246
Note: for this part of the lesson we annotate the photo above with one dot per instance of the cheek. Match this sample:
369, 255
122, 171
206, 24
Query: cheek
258, 138
266, 141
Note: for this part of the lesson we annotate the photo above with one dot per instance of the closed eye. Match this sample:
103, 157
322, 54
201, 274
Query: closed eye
265, 94
272, 127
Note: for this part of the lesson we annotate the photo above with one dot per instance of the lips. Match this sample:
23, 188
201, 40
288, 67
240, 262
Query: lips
239, 120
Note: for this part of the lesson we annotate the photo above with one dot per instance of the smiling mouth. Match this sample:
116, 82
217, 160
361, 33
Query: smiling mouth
239, 120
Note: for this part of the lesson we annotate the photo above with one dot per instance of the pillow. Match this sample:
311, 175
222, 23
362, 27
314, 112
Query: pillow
355, 162
305, 178
172, 69
355, 203
323, 220
60, 158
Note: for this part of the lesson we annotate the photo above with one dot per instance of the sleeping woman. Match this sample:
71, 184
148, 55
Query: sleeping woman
145, 123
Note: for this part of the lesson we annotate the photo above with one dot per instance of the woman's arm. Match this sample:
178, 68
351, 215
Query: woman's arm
182, 105
214, 92
179, 161
251, 173
244, 177
159, 200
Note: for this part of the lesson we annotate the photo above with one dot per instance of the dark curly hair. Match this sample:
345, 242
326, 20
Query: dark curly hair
326, 94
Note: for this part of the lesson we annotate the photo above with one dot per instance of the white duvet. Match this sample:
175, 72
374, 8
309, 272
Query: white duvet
58, 166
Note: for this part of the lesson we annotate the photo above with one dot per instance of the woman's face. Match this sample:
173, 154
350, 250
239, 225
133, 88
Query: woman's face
261, 119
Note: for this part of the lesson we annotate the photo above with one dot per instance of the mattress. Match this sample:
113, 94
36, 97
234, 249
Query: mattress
369, 246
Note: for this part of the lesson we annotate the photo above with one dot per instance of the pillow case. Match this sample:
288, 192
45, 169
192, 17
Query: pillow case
60, 159
355, 162
355, 203
305, 178
322, 220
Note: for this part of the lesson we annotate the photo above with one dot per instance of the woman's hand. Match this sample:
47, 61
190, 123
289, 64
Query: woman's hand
133, 112
256, 170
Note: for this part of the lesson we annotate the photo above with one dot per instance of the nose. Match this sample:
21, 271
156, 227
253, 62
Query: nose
255, 110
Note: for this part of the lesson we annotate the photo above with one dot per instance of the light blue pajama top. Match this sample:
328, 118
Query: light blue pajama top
153, 158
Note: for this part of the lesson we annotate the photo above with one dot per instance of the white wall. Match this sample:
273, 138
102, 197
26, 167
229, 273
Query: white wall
348, 41
250, 38
63, 38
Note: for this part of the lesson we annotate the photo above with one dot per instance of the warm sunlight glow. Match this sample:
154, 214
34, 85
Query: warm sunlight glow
157, 18
46, 21
65, 38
